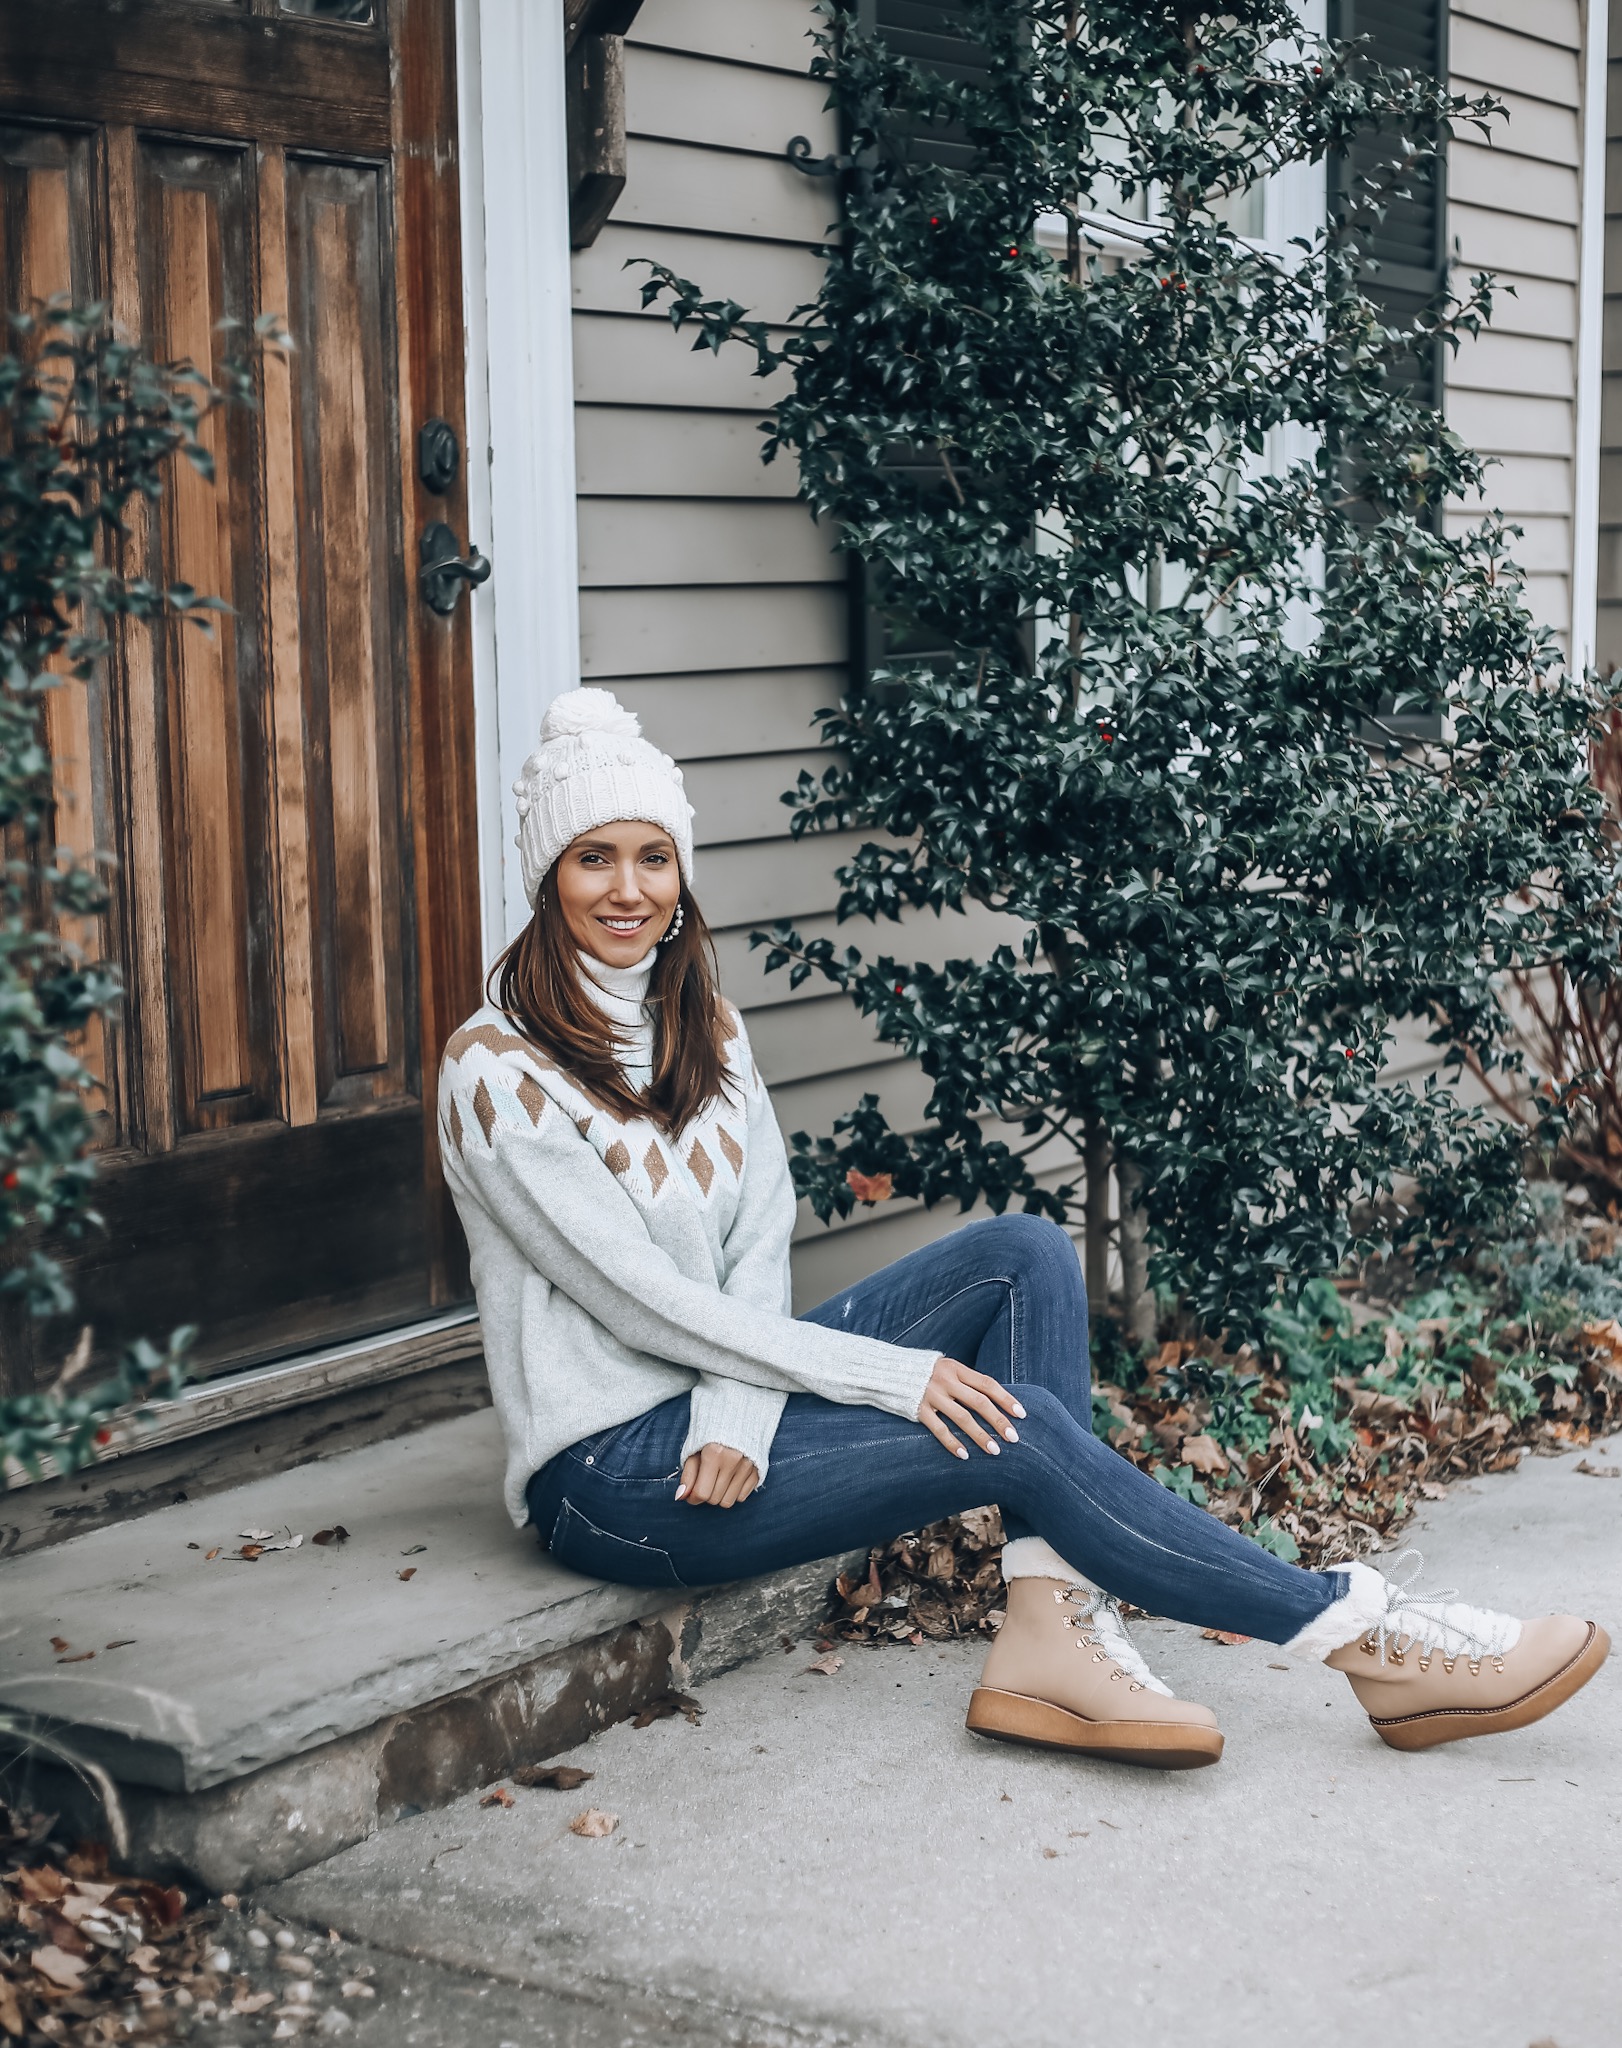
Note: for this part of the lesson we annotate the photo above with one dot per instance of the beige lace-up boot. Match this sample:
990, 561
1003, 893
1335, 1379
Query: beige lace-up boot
1428, 1669
1064, 1674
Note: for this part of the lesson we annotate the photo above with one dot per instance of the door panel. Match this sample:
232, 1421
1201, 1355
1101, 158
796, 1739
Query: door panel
193, 242
289, 791
337, 297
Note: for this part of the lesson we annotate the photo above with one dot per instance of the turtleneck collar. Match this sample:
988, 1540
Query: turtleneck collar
619, 988
621, 994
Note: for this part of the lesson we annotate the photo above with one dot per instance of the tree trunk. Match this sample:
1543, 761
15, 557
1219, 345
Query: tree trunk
1138, 1299
1096, 1212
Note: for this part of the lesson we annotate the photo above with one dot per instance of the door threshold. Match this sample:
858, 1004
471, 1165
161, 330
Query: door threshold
289, 1383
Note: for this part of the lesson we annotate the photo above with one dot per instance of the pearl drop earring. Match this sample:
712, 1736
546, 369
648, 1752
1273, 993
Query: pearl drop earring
673, 931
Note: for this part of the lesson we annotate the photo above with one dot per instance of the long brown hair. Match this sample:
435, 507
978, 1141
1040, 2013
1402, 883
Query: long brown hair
540, 989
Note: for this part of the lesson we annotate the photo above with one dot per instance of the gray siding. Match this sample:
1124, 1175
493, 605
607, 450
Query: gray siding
1513, 209
709, 601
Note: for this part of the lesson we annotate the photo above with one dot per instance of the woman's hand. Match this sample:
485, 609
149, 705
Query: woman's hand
972, 1400
717, 1477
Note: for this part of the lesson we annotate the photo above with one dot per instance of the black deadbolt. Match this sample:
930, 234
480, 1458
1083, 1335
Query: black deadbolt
439, 456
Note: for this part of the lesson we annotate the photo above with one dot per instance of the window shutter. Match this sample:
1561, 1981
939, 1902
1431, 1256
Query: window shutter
934, 34
1407, 252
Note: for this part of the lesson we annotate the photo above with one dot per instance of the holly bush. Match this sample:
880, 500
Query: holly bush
88, 424
1176, 522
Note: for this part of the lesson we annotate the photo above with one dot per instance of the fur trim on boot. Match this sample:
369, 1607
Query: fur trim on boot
1360, 1608
1033, 1557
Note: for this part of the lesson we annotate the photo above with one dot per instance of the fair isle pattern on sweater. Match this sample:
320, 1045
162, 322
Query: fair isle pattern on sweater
511, 1065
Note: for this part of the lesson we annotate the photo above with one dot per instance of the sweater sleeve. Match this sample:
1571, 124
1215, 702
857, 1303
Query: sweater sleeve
734, 1413
559, 1203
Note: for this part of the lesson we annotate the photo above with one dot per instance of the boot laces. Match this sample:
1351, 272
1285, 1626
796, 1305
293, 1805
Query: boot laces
1436, 1621
1101, 1626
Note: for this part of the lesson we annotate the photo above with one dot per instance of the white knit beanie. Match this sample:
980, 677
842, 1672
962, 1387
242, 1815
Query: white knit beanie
593, 767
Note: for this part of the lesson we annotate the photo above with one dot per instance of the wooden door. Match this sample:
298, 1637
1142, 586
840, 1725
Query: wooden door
291, 798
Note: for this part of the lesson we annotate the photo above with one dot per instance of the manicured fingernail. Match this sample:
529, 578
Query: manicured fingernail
994, 1448
961, 1452
1019, 1411
681, 1493
1012, 1435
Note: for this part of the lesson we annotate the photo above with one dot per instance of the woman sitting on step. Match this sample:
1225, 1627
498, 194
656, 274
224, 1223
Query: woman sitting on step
669, 1423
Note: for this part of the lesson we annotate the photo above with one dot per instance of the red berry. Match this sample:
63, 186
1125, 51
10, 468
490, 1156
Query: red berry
9, 1182
104, 1436
934, 220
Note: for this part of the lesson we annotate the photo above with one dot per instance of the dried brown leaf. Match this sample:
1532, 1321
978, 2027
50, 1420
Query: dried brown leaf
665, 1705
559, 1777
410, 1572
594, 1824
499, 1796
57, 1967
827, 1666
1222, 1635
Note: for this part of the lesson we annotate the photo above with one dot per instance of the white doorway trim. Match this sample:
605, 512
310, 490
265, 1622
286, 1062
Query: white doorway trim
520, 406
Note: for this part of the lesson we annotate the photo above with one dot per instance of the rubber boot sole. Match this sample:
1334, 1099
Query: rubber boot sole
1158, 1745
1454, 1724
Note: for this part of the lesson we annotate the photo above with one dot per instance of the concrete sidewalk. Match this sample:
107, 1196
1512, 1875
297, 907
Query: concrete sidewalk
833, 1859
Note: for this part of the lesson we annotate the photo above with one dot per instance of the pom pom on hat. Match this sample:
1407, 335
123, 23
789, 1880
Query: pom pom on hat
580, 711
594, 768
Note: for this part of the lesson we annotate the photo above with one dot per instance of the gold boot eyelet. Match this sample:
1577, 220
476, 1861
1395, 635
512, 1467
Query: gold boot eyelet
1396, 1657
1475, 1667
1498, 1666
1448, 1664
1368, 1648
1425, 1661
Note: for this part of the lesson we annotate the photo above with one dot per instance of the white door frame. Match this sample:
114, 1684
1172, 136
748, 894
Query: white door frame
520, 407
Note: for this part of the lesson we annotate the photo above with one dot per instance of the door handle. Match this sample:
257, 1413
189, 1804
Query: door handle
444, 574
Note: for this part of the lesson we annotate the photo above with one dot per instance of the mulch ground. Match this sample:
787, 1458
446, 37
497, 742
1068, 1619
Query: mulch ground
90, 1956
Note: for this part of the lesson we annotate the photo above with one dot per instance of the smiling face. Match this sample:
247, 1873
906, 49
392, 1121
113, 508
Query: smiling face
617, 888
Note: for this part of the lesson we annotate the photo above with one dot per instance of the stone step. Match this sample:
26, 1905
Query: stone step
258, 1716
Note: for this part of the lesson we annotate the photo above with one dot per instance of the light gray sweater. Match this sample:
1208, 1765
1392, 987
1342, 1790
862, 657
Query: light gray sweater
616, 1267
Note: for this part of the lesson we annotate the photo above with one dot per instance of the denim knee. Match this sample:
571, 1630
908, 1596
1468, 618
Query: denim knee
1050, 1439
1035, 1246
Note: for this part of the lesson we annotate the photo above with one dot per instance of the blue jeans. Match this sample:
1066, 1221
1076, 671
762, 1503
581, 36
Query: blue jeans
1006, 1297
